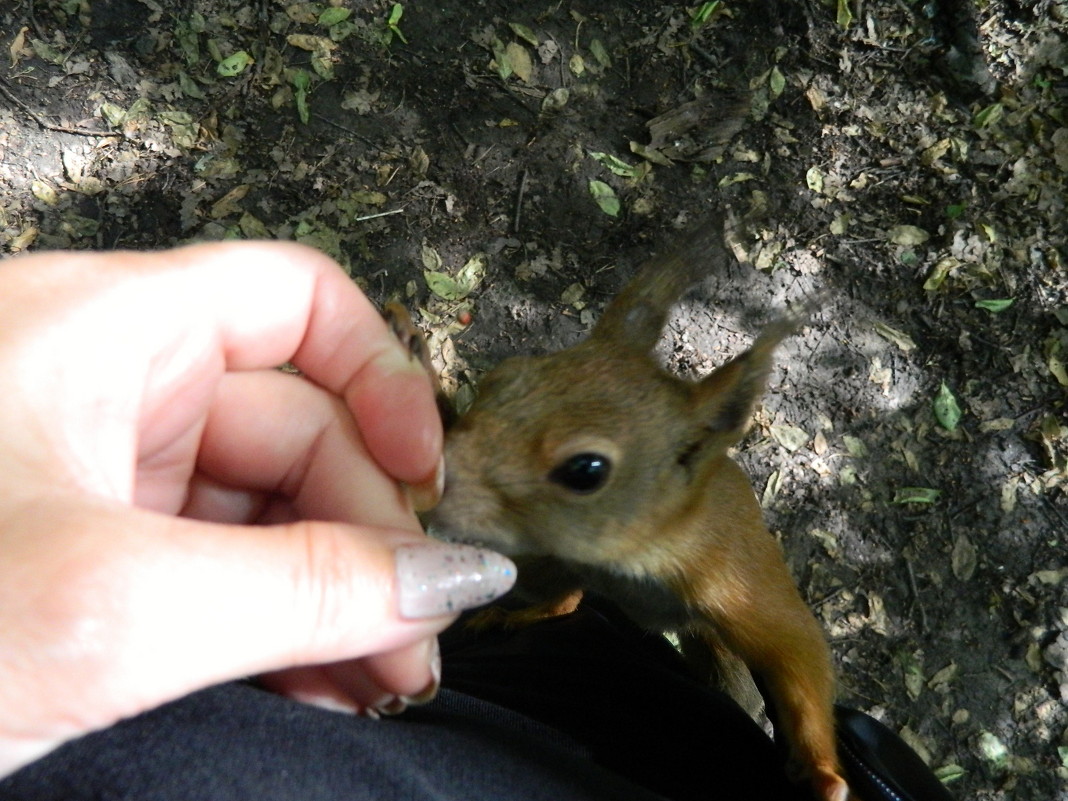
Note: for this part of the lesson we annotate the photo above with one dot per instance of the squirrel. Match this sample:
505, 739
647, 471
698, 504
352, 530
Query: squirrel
595, 469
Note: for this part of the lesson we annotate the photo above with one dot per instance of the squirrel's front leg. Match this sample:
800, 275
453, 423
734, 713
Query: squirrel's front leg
764, 620
738, 583
780, 641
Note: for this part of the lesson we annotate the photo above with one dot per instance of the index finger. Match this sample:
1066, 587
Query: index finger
278, 301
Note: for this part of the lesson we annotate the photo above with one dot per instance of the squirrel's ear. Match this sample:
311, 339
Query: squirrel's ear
725, 399
636, 317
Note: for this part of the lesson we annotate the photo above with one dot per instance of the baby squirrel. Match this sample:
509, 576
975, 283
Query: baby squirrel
594, 469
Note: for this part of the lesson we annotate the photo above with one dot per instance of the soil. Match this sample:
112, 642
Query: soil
902, 163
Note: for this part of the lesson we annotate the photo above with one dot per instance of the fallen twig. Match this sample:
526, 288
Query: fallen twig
519, 201
5, 90
380, 214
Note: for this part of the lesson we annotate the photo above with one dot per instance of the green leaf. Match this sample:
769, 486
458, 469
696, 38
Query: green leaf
504, 63
599, 53
443, 285
188, 42
524, 33
616, 165
917, 495
395, 15
994, 306
912, 669
189, 86
844, 17
776, 82
113, 114
950, 773
946, 410
301, 80
650, 154
703, 13
573, 296
459, 287
235, 64
323, 65
814, 179
992, 749
988, 116
334, 15
939, 273
605, 197
46, 52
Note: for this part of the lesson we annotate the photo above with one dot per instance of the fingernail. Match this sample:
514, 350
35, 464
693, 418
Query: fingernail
400, 703
425, 496
437, 578
394, 706
427, 694
330, 704
399, 359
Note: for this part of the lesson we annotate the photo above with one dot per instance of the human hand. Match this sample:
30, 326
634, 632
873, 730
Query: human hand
143, 427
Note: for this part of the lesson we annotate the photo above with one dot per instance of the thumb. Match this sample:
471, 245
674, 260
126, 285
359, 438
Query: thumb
155, 607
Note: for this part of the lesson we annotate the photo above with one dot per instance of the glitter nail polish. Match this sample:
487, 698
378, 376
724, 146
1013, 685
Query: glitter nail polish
437, 578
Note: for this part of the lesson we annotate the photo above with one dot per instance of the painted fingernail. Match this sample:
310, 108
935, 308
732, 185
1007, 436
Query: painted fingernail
437, 578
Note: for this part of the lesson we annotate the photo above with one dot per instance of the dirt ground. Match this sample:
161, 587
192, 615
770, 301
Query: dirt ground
503, 167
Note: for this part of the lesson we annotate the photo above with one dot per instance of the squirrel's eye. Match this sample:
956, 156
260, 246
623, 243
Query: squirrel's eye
582, 473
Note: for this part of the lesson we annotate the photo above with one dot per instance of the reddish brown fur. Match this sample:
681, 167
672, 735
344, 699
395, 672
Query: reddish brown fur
675, 534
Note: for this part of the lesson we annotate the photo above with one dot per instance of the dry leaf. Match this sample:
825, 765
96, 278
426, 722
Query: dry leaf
519, 57
916, 743
771, 489
899, 338
573, 296
228, 203
943, 677
44, 192
18, 46
431, 259
877, 617
997, 424
305, 41
963, 558
912, 670
1008, 494
907, 235
789, 436
855, 446
881, 376
24, 239
1050, 576
828, 540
